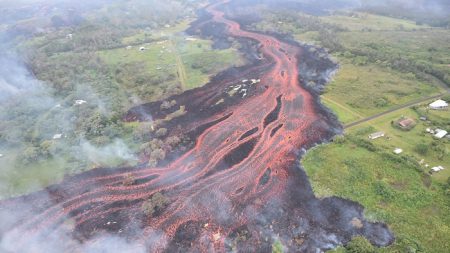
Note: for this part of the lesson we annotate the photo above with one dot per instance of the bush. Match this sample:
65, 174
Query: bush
421, 148
129, 180
359, 244
155, 204
161, 132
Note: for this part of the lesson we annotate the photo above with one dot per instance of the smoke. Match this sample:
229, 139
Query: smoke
15, 79
63, 241
117, 150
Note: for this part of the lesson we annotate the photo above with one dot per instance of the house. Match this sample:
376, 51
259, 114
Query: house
57, 136
141, 48
440, 133
437, 169
129, 47
69, 36
423, 118
406, 123
376, 135
438, 105
398, 151
80, 102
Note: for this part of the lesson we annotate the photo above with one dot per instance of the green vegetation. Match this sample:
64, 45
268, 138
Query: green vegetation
154, 204
360, 21
393, 189
359, 245
361, 91
277, 247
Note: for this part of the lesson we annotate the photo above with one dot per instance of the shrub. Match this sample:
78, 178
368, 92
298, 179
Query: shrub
155, 204
128, 180
421, 148
359, 244
161, 132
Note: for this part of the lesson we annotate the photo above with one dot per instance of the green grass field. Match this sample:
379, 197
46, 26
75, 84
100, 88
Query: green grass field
408, 140
173, 56
360, 91
394, 192
360, 21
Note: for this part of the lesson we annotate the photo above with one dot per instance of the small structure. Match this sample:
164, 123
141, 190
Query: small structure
423, 118
437, 169
440, 133
80, 102
438, 105
406, 123
376, 135
69, 36
1, 155
142, 49
398, 151
190, 39
129, 47
256, 81
57, 136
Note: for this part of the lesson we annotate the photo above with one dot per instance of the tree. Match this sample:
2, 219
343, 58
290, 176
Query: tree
161, 132
359, 244
155, 204
31, 154
129, 180
173, 141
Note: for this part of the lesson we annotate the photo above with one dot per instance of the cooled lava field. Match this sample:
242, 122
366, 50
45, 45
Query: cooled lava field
238, 187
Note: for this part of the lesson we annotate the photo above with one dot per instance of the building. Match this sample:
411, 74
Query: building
398, 151
57, 136
438, 105
437, 169
439, 133
80, 102
1, 155
406, 123
376, 135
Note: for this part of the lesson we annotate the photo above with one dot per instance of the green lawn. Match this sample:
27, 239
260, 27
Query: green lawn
408, 140
359, 21
175, 55
367, 90
392, 191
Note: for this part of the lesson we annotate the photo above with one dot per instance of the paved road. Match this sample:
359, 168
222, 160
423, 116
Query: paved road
415, 102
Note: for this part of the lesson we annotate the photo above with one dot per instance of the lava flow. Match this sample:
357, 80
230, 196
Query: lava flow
239, 187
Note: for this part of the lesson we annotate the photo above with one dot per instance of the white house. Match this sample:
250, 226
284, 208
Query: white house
376, 135
438, 105
440, 133
57, 136
398, 151
437, 168
80, 102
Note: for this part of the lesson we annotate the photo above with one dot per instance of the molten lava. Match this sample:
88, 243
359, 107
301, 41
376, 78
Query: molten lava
239, 187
